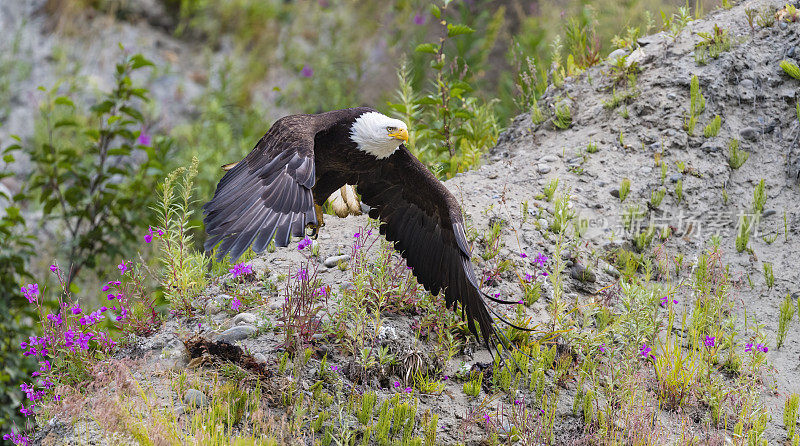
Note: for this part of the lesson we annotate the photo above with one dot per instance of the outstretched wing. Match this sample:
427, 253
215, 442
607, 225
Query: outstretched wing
268, 194
424, 221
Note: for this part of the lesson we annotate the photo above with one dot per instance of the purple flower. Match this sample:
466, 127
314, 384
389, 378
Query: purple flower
54, 267
143, 139
603, 348
149, 236
304, 243
748, 347
397, 383
76, 310
408, 389
517, 402
241, 269
487, 417
419, 19
540, 260
235, 304
307, 71
56, 319
122, 267
301, 275
710, 341
644, 350
664, 301
523, 255
31, 292
357, 235
762, 348
528, 277
334, 368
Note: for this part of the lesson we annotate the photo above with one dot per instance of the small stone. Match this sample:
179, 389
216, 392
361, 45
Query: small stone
616, 54
180, 410
566, 255
543, 223
749, 133
792, 52
646, 170
387, 334
783, 25
675, 177
332, 261
213, 306
615, 193
237, 333
579, 272
672, 96
769, 212
260, 358
194, 398
549, 159
175, 356
610, 270
245, 318
543, 168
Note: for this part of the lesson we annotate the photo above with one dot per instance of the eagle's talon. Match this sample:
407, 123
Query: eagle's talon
314, 231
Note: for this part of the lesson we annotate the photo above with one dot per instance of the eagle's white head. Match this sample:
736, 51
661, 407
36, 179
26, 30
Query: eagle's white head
378, 134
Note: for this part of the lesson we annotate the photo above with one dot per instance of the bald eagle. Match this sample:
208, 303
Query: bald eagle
277, 190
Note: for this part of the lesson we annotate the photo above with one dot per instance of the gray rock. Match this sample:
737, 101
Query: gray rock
614, 193
213, 306
245, 318
675, 177
610, 270
749, 133
579, 272
769, 212
175, 356
792, 52
616, 54
195, 398
549, 159
260, 358
672, 96
332, 261
387, 333
237, 333
646, 170
543, 168
543, 223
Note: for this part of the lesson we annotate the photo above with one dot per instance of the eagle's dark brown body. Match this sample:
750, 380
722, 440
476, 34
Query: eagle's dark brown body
302, 160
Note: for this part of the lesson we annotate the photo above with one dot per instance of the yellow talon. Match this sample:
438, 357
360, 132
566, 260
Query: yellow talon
320, 222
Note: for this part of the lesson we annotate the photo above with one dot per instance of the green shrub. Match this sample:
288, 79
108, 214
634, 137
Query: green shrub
95, 170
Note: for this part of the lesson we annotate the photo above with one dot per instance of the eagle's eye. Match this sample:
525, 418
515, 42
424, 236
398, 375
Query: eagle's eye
391, 129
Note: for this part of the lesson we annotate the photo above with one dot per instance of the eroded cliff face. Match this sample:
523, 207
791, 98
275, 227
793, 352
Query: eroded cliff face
682, 198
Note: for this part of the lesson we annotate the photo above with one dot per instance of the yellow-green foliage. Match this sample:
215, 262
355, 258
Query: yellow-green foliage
790, 68
624, 188
562, 118
712, 129
736, 157
790, 414
677, 372
697, 103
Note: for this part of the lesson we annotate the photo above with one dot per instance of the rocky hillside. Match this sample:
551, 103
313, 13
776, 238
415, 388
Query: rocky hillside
634, 248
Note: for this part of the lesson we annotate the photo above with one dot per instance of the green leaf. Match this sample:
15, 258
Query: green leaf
74, 289
435, 11
103, 107
63, 100
66, 122
139, 61
8, 158
132, 112
457, 30
427, 48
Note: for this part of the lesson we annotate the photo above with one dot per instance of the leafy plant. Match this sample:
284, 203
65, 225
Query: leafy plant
183, 275
712, 44
454, 126
759, 197
712, 129
95, 172
624, 189
736, 157
697, 103
784, 317
790, 68
562, 117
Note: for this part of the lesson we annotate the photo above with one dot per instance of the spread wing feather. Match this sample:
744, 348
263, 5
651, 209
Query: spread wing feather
423, 220
267, 195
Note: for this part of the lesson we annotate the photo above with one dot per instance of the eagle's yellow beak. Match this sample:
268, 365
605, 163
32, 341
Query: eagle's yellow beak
401, 134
